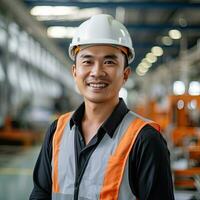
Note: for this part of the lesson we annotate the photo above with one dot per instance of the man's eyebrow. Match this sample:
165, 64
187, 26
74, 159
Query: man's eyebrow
86, 56
112, 56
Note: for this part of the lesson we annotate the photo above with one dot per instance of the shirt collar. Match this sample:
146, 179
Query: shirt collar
110, 124
77, 116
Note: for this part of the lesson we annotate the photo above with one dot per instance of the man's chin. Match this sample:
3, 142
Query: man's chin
97, 100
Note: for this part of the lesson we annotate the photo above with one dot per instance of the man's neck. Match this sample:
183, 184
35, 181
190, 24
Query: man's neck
98, 112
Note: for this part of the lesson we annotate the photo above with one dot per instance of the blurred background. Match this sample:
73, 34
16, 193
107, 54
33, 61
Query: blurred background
36, 84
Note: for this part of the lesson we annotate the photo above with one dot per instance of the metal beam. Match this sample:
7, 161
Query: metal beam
139, 27
38, 32
113, 5
32, 27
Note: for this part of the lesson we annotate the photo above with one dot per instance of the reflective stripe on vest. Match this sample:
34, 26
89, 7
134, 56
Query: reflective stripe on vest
56, 148
106, 174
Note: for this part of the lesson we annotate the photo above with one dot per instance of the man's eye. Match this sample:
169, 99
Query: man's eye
86, 62
109, 62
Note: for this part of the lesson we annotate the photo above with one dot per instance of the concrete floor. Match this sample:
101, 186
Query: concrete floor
16, 166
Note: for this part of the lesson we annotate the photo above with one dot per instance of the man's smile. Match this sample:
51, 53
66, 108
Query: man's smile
97, 85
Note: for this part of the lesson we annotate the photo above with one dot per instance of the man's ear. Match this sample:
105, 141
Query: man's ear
127, 72
73, 70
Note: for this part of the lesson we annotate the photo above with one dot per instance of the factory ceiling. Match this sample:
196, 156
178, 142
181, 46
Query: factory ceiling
171, 25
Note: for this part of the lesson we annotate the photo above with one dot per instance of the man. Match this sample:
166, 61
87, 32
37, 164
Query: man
102, 150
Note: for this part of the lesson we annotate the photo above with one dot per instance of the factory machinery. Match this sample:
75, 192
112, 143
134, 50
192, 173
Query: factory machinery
180, 125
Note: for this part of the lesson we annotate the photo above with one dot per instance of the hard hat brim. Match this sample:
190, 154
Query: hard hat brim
131, 53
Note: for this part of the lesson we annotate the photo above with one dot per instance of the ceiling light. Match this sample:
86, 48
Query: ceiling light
53, 10
60, 32
144, 60
143, 69
194, 88
157, 51
151, 58
71, 14
182, 21
144, 65
85, 13
138, 71
166, 40
178, 88
175, 34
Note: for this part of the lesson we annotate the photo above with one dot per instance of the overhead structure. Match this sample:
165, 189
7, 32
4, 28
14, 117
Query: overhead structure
149, 22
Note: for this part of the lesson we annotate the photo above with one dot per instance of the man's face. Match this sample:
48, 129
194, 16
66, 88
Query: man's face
99, 73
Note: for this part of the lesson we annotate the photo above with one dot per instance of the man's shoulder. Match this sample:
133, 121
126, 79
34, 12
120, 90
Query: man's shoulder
50, 131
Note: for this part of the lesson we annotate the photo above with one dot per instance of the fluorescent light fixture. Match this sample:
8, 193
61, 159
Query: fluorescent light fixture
178, 88
120, 14
85, 13
157, 51
166, 40
47, 13
151, 58
194, 88
175, 34
61, 32
53, 10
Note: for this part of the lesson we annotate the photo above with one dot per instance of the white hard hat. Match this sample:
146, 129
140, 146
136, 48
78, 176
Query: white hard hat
102, 29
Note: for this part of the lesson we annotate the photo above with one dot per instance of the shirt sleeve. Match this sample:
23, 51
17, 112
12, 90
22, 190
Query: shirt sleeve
42, 171
149, 167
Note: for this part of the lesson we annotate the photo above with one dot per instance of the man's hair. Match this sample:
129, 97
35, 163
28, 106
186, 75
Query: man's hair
125, 60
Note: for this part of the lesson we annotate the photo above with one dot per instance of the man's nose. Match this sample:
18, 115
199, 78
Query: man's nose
97, 70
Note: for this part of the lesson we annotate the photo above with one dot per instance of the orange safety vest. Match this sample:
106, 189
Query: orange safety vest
116, 164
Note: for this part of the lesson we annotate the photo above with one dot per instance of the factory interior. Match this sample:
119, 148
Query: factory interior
36, 84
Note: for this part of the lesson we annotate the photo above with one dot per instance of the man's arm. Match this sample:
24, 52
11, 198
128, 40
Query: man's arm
42, 171
149, 167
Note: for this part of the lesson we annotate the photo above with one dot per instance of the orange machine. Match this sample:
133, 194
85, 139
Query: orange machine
180, 121
184, 116
154, 112
10, 134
